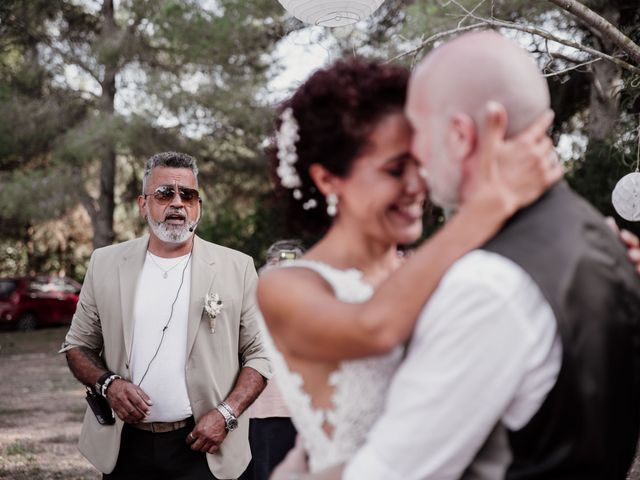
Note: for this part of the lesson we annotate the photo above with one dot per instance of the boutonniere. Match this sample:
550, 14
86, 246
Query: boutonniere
213, 306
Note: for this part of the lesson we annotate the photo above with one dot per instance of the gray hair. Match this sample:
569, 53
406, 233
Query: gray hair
169, 160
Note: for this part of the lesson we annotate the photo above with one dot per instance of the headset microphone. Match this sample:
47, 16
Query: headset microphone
193, 227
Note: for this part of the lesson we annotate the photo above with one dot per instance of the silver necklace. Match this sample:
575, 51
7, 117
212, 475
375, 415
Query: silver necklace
165, 273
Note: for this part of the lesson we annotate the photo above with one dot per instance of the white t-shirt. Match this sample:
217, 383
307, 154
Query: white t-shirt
164, 381
485, 350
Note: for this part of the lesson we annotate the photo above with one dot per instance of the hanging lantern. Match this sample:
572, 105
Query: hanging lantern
331, 13
626, 197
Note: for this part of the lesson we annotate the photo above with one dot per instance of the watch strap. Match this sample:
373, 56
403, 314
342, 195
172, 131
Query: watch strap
230, 418
226, 406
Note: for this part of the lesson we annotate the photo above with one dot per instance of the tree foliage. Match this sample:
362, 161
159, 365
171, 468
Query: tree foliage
94, 88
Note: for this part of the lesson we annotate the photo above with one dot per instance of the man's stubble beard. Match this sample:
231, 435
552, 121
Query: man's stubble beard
444, 190
170, 233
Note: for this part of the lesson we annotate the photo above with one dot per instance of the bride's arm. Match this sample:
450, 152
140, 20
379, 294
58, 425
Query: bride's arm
307, 320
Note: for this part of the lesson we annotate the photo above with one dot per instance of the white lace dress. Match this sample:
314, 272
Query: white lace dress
360, 386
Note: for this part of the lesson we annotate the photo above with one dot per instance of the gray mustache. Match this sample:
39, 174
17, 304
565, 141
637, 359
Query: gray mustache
176, 212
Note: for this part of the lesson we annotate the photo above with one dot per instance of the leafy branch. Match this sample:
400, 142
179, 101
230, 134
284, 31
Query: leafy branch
594, 20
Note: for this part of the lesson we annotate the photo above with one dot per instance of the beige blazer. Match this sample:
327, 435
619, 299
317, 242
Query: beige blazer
103, 323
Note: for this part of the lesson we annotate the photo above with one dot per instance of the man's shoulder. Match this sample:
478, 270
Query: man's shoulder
482, 287
485, 277
485, 268
118, 249
225, 253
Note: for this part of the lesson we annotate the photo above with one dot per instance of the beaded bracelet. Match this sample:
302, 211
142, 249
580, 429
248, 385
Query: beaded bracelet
107, 383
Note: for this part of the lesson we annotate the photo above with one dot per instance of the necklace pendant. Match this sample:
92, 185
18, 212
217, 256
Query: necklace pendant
165, 275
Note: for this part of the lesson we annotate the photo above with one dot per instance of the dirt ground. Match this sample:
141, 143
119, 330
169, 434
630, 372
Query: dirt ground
41, 408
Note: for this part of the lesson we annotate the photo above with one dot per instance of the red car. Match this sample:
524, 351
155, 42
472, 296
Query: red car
30, 302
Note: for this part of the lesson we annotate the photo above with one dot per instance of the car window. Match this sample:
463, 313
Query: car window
40, 286
7, 287
64, 285
71, 286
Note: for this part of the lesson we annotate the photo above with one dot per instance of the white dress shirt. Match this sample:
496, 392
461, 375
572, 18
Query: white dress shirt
485, 350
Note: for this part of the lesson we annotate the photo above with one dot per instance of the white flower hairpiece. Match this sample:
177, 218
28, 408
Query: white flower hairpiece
213, 306
286, 139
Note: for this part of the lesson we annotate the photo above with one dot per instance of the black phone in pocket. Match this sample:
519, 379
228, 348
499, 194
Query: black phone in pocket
100, 408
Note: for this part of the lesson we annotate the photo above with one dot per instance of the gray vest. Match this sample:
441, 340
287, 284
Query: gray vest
588, 426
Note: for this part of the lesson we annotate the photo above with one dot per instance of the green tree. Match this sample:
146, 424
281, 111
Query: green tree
93, 89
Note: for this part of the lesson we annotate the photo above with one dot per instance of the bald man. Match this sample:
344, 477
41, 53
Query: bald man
525, 363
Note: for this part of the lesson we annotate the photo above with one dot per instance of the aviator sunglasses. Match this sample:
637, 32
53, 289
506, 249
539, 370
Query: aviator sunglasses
165, 193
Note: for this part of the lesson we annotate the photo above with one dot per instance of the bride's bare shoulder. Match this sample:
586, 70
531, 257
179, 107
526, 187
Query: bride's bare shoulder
295, 272
283, 291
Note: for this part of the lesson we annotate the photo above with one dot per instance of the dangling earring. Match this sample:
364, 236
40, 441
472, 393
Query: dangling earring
332, 204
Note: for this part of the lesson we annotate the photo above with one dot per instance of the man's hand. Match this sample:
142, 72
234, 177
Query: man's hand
630, 241
129, 401
522, 167
209, 433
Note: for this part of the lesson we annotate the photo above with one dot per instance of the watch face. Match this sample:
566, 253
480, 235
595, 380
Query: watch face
232, 424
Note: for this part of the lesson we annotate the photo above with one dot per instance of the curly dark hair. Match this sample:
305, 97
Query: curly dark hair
336, 109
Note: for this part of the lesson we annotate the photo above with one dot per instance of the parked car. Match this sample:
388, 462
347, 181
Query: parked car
30, 302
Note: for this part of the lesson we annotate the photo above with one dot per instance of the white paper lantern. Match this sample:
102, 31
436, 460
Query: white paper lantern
331, 13
626, 197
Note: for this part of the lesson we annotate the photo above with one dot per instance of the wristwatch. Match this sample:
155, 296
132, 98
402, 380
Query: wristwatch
230, 419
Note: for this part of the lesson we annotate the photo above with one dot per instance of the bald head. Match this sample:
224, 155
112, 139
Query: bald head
446, 103
466, 73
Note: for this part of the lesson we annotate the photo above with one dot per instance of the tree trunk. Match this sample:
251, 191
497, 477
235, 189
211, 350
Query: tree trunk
102, 220
606, 82
604, 25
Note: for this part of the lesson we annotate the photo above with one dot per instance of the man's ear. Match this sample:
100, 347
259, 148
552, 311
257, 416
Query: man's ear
461, 137
325, 181
142, 202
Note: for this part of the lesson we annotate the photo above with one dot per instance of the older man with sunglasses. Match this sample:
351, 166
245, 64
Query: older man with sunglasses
165, 331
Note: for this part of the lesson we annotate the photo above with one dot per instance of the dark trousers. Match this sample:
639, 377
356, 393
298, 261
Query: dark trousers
270, 440
158, 456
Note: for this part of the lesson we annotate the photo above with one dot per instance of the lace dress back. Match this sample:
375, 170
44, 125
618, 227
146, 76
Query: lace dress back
359, 386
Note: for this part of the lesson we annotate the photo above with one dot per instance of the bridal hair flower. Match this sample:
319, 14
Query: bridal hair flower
213, 306
286, 139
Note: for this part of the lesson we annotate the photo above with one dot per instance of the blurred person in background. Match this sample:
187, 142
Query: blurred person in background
271, 431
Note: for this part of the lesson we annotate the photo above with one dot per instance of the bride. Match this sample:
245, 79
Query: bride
339, 317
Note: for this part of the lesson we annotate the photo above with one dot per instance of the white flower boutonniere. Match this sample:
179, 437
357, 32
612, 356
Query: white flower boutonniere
213, 306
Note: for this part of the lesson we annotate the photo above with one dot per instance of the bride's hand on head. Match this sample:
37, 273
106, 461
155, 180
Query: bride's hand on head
521, 168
